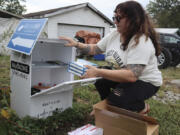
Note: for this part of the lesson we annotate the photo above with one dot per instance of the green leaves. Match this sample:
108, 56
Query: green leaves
13, 6
165, 12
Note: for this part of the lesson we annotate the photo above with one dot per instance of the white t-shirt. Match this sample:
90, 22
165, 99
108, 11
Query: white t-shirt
142, 53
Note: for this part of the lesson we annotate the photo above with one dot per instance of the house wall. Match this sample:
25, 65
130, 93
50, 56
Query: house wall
79, 17
82, 18
7, 27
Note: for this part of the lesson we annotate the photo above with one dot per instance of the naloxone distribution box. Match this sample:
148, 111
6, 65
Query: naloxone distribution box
40, 81
117, 121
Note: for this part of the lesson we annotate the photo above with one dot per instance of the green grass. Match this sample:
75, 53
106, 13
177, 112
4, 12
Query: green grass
170, 74
4, 71
168, 115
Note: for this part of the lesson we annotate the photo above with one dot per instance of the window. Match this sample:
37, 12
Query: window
161, 38
170, 39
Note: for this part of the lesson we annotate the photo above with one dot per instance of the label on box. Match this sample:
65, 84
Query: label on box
20, 67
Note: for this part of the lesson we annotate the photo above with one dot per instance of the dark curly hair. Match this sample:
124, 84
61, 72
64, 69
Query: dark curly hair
138, 24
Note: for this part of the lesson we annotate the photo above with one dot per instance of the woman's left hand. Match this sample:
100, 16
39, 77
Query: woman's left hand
90, 72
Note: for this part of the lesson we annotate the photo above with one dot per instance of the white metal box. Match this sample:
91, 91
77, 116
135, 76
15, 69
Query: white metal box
47, 65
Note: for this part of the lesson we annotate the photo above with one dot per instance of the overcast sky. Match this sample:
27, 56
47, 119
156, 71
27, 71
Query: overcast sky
105, 6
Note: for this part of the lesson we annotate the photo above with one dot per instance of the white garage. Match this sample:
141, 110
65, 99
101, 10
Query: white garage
70, 30
66, 21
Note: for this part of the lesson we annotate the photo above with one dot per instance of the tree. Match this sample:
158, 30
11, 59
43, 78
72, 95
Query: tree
13, 6
166, 13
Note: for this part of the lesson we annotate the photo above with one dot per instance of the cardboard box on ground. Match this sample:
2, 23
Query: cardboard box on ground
117, 121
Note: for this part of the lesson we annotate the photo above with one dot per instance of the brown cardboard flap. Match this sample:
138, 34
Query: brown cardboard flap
109, 130
152, 129
124, 125
105, 112
104, 105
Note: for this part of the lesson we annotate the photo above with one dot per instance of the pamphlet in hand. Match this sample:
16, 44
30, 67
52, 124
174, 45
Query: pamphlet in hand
85, 62
78, 67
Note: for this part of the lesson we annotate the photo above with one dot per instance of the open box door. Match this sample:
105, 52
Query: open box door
65, 86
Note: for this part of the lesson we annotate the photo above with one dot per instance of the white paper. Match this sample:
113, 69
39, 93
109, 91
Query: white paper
87, 130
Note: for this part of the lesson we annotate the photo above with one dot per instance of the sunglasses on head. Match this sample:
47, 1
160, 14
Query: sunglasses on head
117, 18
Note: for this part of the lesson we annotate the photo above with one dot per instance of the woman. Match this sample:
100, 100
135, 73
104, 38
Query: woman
132, 51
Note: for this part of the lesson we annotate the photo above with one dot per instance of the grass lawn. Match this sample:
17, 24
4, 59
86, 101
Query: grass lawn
168, 115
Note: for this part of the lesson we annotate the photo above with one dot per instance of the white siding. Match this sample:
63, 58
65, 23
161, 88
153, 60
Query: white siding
70, 30
83, 17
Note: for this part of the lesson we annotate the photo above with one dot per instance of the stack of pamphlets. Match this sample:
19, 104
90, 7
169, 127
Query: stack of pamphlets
78, 67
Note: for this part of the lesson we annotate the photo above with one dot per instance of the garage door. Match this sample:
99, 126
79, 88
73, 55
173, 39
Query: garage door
70, 30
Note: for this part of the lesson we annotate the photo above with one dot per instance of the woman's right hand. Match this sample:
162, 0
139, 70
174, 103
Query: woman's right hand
71, 42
